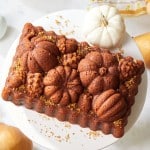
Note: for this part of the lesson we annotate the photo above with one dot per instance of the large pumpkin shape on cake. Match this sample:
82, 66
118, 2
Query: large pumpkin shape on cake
99, 71
62, 85
38, 53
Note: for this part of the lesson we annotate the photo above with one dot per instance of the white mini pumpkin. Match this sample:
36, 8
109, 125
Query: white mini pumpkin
104, 27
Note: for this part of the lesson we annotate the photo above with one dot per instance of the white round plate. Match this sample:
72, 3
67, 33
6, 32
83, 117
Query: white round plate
49, 132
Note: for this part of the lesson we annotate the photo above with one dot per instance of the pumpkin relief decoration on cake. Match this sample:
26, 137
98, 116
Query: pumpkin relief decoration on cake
98, 71
39, 53
109, 105
62, 85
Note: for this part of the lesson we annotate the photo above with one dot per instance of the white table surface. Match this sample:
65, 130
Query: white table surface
18, 12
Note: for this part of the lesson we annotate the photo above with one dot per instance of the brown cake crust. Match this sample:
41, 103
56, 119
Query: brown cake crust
73, 81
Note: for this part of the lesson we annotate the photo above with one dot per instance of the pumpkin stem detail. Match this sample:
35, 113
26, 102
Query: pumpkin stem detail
103, 21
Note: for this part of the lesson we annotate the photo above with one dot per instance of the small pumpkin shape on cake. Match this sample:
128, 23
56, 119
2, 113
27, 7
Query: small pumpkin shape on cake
104, 27
109, 105
62, 85
99, 71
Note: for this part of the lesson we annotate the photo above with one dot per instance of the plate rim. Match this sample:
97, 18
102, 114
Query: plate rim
35, 23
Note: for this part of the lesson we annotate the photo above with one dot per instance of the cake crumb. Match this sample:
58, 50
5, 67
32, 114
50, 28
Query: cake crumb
67, 137
93, 134
51, 133
67, 125
57, 22
58, 138
48, 102
73, 133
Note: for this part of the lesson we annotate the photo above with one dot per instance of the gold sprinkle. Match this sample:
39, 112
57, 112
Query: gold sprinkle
51, 133
67, 137
32, 33
67, 22
21, 88
67, 125
72, 106
93, 134
118, 123
42, 98
59, 59
18, 65
45, 37
48, 102
41, 33
130, 83
58, 136
78, 110
57, 22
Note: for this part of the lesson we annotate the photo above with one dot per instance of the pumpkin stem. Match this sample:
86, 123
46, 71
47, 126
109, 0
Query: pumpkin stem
103, 21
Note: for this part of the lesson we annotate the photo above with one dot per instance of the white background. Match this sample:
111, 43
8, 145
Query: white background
18, 12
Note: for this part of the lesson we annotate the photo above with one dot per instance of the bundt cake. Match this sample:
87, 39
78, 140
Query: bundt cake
73, 81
